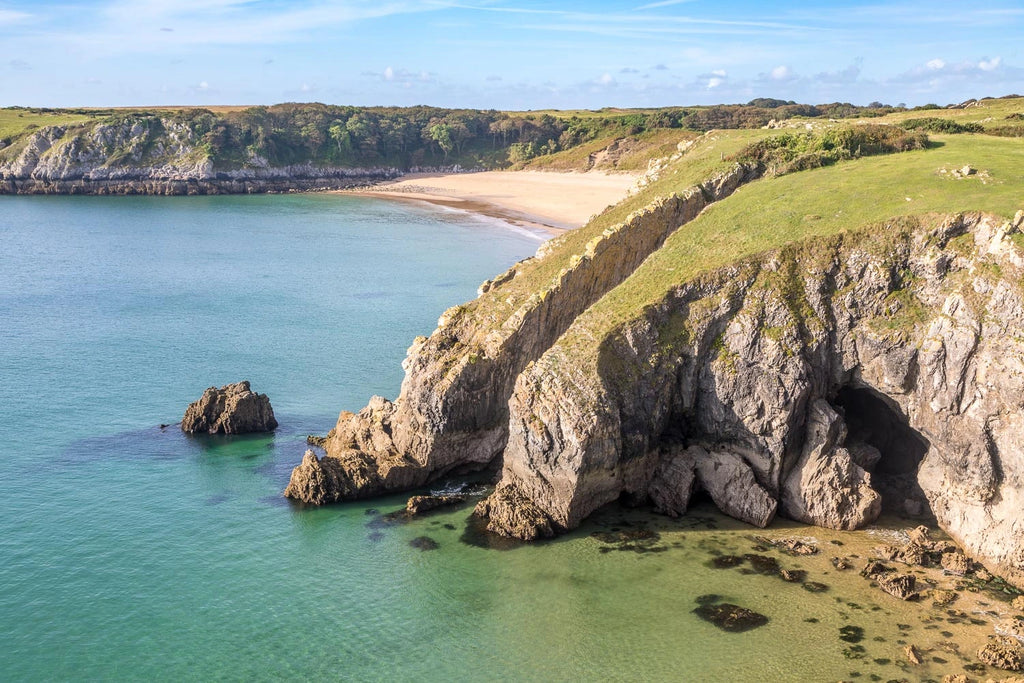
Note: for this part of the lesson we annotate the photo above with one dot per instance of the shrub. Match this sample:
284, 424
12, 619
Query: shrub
936, 125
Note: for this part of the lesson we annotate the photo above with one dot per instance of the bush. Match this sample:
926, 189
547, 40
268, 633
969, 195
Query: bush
791, 152
936, 125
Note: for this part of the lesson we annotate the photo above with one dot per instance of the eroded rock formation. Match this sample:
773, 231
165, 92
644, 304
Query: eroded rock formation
232, 409
453, 408
823, 381
161, 156
918, 329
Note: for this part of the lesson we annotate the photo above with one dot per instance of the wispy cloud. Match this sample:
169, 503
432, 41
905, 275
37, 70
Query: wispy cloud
663, 3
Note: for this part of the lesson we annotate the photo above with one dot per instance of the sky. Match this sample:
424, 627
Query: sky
506, 54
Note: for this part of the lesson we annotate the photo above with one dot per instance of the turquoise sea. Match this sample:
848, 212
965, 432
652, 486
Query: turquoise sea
128, 552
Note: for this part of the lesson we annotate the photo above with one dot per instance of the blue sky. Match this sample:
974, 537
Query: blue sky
505, 54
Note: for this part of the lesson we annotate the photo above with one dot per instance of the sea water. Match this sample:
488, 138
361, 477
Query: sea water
133, 552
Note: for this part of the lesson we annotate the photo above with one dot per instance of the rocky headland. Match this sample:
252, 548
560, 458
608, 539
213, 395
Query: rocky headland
824, 381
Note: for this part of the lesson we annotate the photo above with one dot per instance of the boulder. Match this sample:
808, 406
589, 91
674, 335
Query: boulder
956, 563
897, 585
731, 483
1003, 653
417, 505
510, 513
232, 409
827, 487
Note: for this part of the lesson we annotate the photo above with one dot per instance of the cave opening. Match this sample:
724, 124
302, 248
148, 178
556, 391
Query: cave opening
873, 420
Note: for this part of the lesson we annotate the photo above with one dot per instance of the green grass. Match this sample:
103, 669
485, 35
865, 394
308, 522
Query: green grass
708, 156
992, 113
13, 122
822, 202
644, 147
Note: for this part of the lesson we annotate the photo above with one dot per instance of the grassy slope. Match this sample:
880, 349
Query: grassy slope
989, 113
649, 145
15, 121
825, 201
704, 159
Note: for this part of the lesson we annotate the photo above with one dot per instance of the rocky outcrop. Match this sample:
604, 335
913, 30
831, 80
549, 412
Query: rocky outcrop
452, 411
153, 155
232, 409
881, 368
417, 505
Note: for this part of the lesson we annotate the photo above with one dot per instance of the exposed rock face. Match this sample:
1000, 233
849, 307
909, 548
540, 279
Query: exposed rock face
825, 380
900, 351
453, 407
232, 409
158, 156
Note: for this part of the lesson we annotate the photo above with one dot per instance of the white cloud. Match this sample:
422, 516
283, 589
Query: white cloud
718, 72
606, 79
389, 74
990, 64
936, 64
781, 73
662, 3
9, 16
204, 85
714, 82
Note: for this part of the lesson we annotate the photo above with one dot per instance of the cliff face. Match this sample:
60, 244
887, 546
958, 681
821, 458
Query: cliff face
161, 156
822, 382
453, 408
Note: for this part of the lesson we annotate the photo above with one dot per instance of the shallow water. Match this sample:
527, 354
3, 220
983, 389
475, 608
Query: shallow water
131, 552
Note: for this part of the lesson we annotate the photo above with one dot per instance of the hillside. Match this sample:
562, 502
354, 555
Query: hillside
188, 150
817, 324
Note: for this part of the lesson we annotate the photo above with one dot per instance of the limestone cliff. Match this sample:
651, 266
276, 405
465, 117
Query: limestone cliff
453, 408
152, 155
823, 381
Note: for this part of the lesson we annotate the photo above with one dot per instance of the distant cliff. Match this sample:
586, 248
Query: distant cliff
152, 155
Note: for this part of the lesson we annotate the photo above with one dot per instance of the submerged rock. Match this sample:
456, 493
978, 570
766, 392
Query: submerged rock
731, 618
232, 409
424, 543
419, 504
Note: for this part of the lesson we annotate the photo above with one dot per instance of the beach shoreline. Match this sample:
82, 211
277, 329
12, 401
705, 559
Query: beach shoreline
539, 201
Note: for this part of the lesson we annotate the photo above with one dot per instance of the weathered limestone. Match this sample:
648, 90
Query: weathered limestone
453, 408
54, 163
232, 409
846, 372
827, 487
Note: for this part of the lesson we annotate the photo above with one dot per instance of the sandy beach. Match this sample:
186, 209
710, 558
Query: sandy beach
552, 202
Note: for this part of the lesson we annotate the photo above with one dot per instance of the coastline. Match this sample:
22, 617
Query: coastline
548, 202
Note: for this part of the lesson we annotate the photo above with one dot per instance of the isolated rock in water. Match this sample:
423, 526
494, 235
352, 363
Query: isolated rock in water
897, 585
732, 618
510, 513
417, 505
1003, 653
232, 409
956, 563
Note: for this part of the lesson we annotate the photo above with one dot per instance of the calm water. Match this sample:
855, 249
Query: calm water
127, 552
